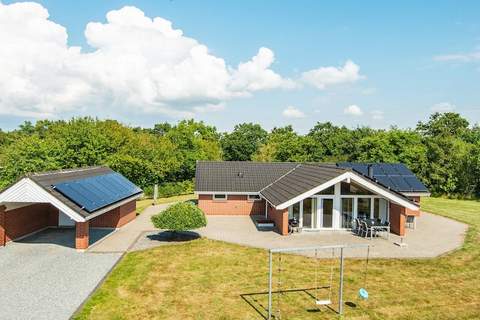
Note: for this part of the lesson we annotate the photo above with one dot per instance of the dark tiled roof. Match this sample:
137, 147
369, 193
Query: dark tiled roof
301, 179
238, 176
278, 182
46, 180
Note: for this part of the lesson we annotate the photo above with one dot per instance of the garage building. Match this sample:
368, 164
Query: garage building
93, 197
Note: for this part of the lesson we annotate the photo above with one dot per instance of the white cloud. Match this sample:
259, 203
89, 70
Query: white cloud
459, 57
292, 112
324, 77
377, 114
353, 110
138, 64
443, 107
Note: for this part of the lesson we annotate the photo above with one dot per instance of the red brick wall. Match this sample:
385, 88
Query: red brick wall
2, 226
397, 219
117, 217
22, 221
81, 235
280, 217
234, 205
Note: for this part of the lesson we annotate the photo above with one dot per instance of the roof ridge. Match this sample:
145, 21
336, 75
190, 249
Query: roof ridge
59, 171
283, 175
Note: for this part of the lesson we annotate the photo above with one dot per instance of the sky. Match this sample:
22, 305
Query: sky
275, 63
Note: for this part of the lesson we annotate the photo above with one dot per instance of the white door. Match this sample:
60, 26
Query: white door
64, 220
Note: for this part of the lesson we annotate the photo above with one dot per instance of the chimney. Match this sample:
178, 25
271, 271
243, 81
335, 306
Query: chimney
370, 171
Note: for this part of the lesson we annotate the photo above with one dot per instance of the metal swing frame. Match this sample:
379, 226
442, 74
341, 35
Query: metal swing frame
316, 249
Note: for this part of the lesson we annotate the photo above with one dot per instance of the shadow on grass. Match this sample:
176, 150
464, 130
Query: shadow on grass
171, 236
255, 300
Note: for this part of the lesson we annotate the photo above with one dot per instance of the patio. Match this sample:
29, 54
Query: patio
434, 235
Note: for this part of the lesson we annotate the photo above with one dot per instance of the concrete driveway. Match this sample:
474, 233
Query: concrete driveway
43, 277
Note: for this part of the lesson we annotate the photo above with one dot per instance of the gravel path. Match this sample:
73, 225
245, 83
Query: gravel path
44, 280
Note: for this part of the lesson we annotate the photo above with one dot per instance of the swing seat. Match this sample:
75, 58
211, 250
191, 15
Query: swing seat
323, 302
362, 293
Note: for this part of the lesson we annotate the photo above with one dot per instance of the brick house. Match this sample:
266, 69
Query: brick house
95, 197
319, 196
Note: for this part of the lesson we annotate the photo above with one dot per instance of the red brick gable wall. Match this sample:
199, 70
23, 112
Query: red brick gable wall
117, 217
234, 205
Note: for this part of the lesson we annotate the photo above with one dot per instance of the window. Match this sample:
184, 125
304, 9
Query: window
347, 212
328, 191
364, 208
219, 197
294, 211
354, 189
376, 208
254, 197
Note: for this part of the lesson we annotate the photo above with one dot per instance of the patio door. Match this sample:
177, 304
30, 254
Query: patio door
325, 213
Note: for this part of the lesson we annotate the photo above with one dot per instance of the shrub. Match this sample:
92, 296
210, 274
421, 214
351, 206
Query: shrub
182, 216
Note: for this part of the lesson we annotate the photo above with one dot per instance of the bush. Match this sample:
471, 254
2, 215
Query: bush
182, 216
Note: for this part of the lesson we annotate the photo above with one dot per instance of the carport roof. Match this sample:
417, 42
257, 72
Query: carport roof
49, 180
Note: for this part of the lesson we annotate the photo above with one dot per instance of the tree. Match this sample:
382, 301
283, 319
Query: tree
284, 144
243, 142
182, 216
443, 125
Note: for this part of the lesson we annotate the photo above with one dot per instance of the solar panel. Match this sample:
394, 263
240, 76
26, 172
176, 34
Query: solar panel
396, 176
96, 192
401, 184
416, 184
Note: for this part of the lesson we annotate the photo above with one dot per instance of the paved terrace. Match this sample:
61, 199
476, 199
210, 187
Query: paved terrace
433, 236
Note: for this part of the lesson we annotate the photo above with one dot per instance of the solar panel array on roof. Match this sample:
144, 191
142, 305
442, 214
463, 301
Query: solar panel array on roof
97, 192
393, 175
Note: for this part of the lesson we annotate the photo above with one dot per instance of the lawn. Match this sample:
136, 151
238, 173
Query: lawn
206, 279
142, 204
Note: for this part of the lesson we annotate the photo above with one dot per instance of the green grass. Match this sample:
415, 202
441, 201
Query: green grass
206, 279
142, 204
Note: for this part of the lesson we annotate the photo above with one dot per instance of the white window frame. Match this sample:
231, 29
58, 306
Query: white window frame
257, 197
221, 199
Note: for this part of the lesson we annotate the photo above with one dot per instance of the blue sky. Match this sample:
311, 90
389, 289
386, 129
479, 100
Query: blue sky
414, 57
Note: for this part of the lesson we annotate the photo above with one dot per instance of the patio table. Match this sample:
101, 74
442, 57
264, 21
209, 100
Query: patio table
376, 226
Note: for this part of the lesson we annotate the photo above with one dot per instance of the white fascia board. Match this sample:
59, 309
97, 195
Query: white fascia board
27, 191
311, 192
225, 192
357, 178
416, 194
113, 206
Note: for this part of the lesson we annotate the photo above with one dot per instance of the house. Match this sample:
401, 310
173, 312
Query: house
320, 196
94, 197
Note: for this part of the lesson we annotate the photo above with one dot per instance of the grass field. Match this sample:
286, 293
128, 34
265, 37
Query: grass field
145, 203
206, 279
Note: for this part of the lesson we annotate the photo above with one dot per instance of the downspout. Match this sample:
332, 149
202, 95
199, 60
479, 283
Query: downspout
266, 209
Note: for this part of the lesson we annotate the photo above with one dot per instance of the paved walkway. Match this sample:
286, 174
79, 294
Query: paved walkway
123, 238
43, 277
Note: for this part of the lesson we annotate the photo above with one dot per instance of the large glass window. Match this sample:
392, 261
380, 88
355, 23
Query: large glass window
353, 189
307, 212
347, 212
376, 208
327, 213
294, 212
328, 191
363, 208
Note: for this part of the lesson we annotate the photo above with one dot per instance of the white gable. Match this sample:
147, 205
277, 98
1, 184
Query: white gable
27, 191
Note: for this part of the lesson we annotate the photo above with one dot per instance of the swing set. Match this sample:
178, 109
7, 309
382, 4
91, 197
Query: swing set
362, 292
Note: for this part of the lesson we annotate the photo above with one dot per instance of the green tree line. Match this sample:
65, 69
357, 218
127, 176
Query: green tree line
444, 151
